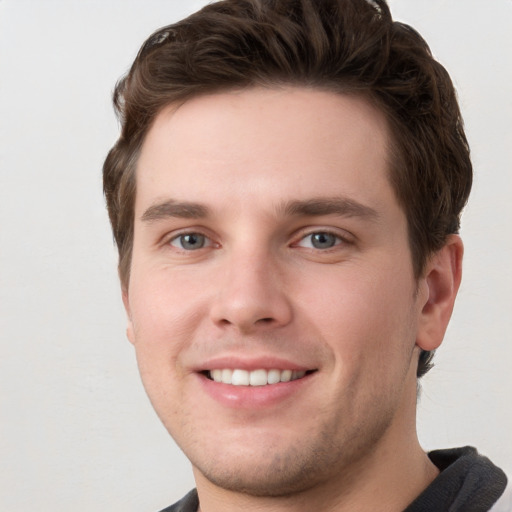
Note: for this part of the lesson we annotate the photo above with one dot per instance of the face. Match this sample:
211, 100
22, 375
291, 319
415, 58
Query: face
272, 303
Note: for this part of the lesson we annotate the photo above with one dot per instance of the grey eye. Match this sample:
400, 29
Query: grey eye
189, 241
323, 240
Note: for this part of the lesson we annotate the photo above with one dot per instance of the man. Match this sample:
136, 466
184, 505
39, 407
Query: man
285, 196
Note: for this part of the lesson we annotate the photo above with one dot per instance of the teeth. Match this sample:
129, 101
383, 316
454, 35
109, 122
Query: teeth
254, 378
240, 378
273, 377
216, 375
226, 375
286, 376
258, 378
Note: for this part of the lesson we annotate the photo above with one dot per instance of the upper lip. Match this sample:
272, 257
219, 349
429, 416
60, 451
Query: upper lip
254, 363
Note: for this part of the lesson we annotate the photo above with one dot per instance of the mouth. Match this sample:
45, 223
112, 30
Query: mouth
259, 377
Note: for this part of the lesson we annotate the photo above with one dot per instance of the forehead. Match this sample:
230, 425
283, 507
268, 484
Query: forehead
267, 143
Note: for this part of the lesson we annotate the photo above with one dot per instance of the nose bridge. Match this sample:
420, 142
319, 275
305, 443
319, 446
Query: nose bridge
252, 293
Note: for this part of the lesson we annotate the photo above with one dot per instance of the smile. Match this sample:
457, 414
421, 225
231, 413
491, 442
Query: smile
261, 377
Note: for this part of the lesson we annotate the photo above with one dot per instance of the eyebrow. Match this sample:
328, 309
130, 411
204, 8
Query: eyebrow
173, 208
329, 206
314, 207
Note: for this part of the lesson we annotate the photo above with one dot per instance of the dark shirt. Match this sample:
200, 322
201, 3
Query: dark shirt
468, 482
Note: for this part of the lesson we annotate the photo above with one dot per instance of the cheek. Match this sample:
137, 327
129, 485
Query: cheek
158, 296
160, 325
165, 311
367, 318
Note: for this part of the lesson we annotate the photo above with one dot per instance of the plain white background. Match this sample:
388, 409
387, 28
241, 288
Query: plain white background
76, 431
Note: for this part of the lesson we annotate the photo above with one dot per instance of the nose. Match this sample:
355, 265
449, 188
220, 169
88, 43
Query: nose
252, 295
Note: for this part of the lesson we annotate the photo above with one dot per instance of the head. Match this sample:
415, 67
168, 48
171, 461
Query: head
285, 195
350, 47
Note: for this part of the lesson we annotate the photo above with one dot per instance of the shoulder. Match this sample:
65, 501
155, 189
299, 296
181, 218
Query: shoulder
467, 482
504, 504
189, 503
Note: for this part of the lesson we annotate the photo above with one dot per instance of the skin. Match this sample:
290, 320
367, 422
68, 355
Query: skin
258, 286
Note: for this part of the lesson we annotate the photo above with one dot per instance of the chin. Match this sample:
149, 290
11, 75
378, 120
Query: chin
272, 478
269, 470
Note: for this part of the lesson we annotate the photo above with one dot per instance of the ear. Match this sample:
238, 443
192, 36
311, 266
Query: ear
129, 328
442, 279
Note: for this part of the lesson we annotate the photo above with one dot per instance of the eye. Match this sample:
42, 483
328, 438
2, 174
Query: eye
190, 241
320, 240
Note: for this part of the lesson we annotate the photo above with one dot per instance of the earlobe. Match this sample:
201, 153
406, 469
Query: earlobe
129, 327
442, 278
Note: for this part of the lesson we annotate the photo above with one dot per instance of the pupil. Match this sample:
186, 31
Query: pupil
323, 240
193, 241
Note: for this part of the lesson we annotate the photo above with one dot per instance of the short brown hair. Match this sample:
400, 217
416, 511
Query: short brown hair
345, 46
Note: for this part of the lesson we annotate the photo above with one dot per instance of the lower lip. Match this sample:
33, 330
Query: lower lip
253, 397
